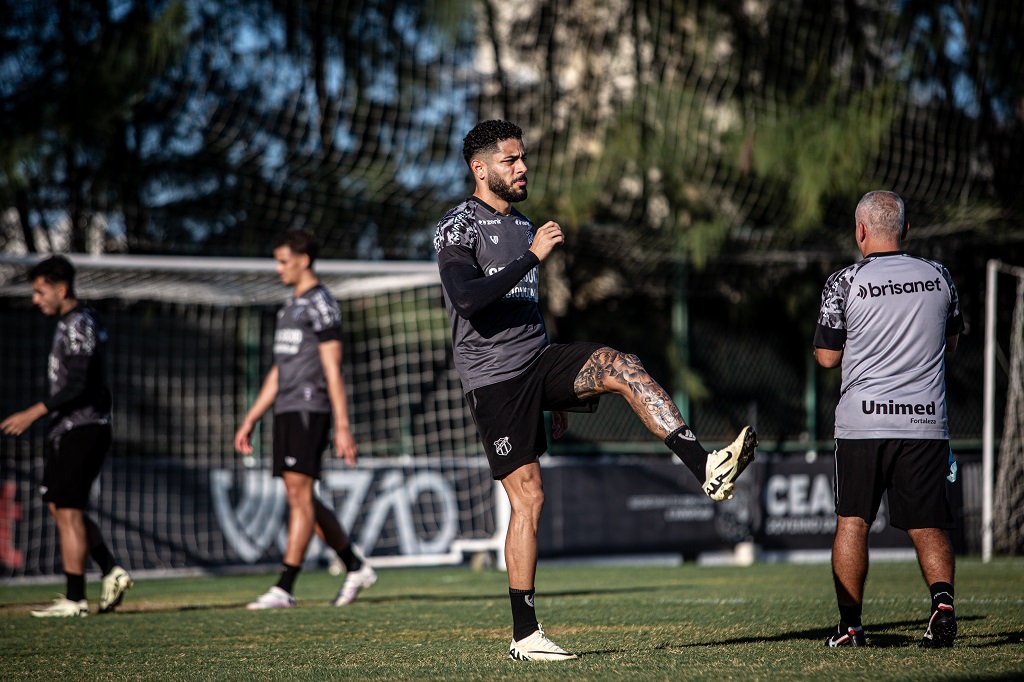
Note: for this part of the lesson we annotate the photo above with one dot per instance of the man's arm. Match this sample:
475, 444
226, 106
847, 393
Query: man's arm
470, 291
74, 387
263, 402
18, 423
951, 342
828, 358
344, 442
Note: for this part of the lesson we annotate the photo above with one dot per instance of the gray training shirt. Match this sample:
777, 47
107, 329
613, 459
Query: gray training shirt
500, 341
77, 372
890, 314
302, 325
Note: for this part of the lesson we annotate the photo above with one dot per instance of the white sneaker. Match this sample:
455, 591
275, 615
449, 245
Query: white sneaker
274, 598
115, 584
62, 607
724, 466
355, 582
537, 647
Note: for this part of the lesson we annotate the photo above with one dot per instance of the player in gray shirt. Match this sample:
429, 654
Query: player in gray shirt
488, 255
79, 405
306, 388
889, 320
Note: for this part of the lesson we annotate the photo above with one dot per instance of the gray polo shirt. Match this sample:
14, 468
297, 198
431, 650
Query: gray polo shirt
302, 325
501, 341
890, 314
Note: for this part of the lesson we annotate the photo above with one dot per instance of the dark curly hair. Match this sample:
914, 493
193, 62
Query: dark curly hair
486, 135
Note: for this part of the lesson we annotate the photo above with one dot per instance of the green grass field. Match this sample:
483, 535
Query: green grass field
688, 622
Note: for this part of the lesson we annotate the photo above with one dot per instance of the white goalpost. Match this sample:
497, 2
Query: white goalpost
1003, 475
190, 342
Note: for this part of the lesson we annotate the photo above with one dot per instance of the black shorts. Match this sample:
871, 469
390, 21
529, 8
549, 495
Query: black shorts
912, 471
510, 415
300, 439
73, 461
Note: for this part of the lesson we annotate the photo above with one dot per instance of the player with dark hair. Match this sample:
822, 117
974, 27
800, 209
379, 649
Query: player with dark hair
488, 255
79, 436
305, 387
888, 320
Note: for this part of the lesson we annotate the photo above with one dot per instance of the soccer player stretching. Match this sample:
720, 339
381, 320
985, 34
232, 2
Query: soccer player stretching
488, 255
305, 386
79, 436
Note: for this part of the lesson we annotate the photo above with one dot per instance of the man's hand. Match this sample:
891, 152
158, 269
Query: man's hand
559, 423
242, 443
546, 238
345, 445
18, 423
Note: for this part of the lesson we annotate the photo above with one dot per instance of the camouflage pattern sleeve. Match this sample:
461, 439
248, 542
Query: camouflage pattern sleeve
323, 313
832, 314
457, 228
81, 336
954, 317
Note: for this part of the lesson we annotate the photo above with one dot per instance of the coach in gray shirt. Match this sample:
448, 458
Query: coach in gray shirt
888, 320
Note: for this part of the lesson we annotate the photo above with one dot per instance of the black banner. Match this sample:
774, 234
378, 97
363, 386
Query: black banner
637, 505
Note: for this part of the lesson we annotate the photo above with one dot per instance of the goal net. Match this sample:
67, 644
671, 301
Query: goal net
190, 342
1006, 472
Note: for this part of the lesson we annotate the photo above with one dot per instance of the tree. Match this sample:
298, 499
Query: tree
81, 69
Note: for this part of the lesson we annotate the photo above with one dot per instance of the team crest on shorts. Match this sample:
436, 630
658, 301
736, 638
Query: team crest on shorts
502, 447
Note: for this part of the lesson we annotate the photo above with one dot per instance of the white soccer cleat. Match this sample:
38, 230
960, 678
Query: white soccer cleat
115, 584
537, 647
355, 582
274, 598
724, 466
62, 607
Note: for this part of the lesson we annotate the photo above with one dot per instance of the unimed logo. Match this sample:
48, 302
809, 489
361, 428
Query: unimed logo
893, 407
897, 288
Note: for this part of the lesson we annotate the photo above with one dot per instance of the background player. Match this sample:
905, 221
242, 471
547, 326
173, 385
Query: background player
488, 255
305, 387
888, 320
79, 436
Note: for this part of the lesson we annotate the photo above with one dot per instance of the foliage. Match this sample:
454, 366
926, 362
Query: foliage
83, 69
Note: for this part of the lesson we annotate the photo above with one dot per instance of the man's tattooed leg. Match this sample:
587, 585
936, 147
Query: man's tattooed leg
609, 371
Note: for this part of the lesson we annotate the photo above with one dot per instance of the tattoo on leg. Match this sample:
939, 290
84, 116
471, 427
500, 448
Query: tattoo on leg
609, 371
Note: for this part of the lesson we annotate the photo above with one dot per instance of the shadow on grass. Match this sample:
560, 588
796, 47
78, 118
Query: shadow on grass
158, 607
449, 597
818, 635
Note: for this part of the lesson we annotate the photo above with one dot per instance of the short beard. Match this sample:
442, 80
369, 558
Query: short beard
505, 191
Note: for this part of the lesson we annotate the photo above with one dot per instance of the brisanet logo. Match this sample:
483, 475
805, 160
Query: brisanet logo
895, 289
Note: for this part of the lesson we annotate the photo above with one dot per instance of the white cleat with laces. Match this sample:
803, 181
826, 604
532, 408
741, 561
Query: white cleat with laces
725, 466
274, 598
115, 584
62, 607
355, 582
537, 647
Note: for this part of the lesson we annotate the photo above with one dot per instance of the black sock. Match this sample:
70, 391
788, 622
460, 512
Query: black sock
685, 445
524, 617
103, 558
942, 593
850, 615
76, 586
288, 576
349, 558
